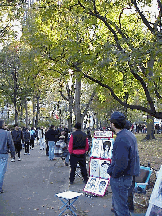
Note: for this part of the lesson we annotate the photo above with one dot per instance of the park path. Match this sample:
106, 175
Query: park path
30, 186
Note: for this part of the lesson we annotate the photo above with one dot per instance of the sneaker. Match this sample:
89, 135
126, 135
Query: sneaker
12, 160
28, 153
19, 159
25, 153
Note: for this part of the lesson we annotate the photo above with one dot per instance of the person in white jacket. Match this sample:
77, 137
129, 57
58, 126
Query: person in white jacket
41, 138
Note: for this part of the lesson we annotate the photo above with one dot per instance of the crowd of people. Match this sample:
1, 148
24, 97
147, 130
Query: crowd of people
57, 142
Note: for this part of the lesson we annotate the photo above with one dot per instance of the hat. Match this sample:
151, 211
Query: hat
118, 118
77, 125
127, 125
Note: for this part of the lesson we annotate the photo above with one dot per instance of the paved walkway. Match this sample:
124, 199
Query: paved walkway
30, 186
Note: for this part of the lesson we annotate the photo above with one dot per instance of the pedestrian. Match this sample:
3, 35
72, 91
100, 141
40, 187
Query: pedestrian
128, 126
17, 137
62, 145
78, 146
46, 141
27, 141
125, 164
41, 140
52, 137
23, 131
6, 144
32, 138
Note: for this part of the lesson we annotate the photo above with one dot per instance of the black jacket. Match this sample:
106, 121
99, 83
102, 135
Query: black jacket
52, 135
79, 140
17, 136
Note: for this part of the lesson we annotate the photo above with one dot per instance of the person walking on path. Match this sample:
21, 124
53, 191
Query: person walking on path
78, 146
27, 141
125, 164
32, 137
6, 144
17, 137
52, 137
41, 138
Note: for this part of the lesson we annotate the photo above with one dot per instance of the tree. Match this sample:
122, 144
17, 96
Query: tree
118, 50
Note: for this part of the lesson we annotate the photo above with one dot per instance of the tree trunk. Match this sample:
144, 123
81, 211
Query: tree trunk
150, 125
37, 113
26, 113
70, 112
150, 128
77, 100
33, 120
15, 95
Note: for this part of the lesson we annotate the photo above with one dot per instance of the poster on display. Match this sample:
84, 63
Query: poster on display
91, 185
104, 164
96, 148
98, 168
155, 203
102, 148
101, 187
94, 167
96, 186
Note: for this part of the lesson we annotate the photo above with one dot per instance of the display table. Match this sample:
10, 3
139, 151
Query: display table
68, 198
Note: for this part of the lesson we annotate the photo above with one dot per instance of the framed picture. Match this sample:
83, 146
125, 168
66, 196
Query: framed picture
104, 164
102, 147
107, 145
91, 185
101, 187
94, 167
96, 148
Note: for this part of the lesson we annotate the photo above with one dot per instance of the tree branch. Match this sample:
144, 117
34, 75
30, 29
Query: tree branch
138, 107
145, 21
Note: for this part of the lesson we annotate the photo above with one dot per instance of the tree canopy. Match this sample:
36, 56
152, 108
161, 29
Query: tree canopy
114, 44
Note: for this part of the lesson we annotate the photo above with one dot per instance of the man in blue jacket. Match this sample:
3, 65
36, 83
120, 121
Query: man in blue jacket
6, 143
125, 164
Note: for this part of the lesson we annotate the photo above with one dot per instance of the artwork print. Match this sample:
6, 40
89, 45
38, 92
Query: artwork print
94, 167
101, 187
91, 185
96, 148
106, 149
104, 164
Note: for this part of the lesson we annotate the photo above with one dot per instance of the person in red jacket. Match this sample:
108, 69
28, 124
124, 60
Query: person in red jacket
78, 146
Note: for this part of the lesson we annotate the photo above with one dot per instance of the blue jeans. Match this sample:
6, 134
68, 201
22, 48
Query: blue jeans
3, 167
119, 187
51, 145
66, 154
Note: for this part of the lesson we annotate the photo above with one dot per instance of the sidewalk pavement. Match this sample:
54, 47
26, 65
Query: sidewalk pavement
30, 186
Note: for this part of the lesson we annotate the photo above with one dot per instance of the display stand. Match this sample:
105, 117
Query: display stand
100, 159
